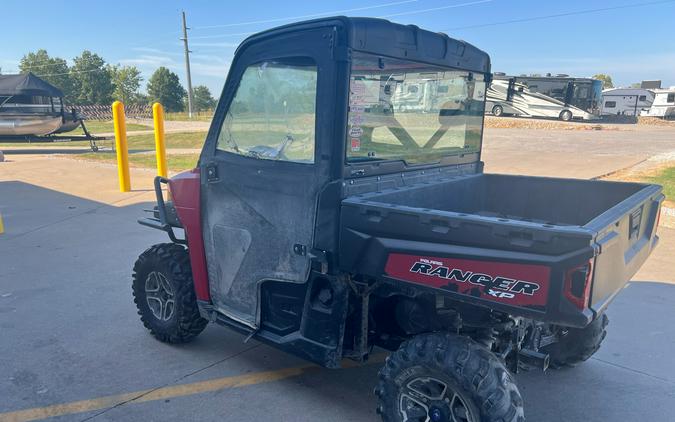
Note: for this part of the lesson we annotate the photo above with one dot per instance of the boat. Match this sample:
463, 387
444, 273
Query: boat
29, 106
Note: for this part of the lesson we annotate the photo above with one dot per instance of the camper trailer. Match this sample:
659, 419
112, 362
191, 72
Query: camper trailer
558, 96
664, 104
626, 101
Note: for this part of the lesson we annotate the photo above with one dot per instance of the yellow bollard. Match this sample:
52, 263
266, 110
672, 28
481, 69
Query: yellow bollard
121, 146
2, 226
160, 145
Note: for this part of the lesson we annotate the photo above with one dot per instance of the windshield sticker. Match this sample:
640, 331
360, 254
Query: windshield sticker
355, 132
356, 144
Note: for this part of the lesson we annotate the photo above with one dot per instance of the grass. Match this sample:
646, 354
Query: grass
135, 142
175, 162
666, 178
102, 126
173, 140
202, 116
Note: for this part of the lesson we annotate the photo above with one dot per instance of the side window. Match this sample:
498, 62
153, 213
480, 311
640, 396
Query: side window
272, 115
610, 104
671, 98
642, 98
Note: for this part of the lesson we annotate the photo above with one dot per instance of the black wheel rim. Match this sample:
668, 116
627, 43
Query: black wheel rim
428, 399
159, 296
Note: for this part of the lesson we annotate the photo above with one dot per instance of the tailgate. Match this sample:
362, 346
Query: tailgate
626, 235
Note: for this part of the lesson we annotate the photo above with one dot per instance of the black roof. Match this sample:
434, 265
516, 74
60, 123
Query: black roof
380, 36
27, 84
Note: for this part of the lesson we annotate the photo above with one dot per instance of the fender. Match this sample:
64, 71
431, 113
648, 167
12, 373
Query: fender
185, 193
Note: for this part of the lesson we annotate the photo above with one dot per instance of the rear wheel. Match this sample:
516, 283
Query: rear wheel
565, 115
497, 111
164, 294
578, 344
444, 377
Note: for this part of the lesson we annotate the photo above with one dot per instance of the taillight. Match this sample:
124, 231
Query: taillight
577, 287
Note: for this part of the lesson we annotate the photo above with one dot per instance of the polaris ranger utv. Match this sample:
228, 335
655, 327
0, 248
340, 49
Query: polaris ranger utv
340, 203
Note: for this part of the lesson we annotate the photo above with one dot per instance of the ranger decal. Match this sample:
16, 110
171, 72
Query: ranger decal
514, 284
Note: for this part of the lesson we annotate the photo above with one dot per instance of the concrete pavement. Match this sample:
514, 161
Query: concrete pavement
69, 333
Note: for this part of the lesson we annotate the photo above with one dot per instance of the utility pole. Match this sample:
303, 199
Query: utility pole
187, 66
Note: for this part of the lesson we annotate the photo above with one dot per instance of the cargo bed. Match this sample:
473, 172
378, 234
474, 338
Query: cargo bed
513, 230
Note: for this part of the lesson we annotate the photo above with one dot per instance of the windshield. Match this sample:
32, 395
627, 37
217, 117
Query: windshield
414, 112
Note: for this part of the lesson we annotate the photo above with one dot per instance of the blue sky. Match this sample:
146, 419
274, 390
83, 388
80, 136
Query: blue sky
631, 44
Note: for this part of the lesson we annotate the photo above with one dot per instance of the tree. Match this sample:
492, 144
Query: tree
606, 80
202, 98
636, 85
51, 69
126, 80
165, 88
92, 79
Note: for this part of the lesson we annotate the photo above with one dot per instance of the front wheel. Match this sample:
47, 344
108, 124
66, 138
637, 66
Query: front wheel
444, 377
497, 111
565, 115
164, 294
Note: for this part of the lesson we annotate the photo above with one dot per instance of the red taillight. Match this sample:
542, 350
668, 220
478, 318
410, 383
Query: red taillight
577, 287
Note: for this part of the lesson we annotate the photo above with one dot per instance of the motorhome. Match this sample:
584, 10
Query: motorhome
626, 101
663, 105
557, 96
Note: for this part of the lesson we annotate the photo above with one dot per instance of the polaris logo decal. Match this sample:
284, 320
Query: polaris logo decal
509, 287
504, 282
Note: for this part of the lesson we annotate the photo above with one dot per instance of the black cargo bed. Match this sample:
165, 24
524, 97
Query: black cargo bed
557, 223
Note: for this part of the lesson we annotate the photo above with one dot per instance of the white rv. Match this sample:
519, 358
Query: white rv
664, 104
626, 101
558, 96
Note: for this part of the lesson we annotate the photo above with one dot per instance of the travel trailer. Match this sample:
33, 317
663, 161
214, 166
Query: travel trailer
558, 96
664, 104
626, 101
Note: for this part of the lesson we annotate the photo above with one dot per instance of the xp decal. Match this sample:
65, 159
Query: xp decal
514, 284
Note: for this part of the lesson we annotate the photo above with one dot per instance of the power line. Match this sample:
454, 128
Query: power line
231, 34
73, 71
452, 6
559, 15
335, 12
46, 65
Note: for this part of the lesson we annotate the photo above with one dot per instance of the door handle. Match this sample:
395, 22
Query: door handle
212, 173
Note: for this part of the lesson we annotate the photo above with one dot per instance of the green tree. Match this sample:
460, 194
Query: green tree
165, 88
51, 69
606, 80
126, 80
202, 98
92, 79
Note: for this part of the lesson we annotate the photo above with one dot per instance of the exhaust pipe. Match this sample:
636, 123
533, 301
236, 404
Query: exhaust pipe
529, 359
